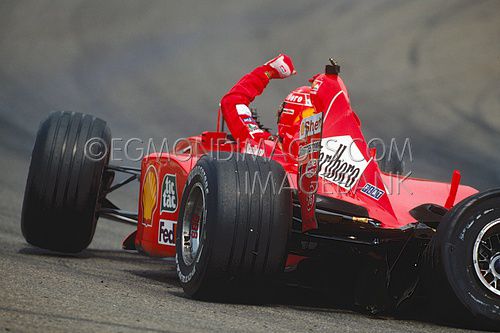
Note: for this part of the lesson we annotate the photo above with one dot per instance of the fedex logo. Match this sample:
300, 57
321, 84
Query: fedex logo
166, 232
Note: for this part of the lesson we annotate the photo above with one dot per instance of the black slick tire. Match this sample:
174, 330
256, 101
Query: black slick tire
244, 227
456, 291
64, 181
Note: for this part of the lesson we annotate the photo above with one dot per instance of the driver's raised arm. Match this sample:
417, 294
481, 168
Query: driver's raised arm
234, 104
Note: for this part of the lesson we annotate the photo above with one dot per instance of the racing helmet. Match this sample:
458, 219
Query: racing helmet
296, 106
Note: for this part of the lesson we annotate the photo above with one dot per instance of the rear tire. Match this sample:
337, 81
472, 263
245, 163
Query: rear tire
64, 183
242, 233
457, 292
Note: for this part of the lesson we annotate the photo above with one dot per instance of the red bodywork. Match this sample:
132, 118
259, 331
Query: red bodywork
388, 198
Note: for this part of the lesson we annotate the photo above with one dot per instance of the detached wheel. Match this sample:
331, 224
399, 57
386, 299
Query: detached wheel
64, 181
233, 225
466, 255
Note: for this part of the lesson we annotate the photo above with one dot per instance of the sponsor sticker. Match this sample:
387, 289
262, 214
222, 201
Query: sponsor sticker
257, 131
316, 85
341, 161
166, 232
254, 129
243, 110
311, 125
195, 226
254, 150
288, 111
372, 191
309, 148
149, 195
299, 99
248, 120
311, 168
169, 198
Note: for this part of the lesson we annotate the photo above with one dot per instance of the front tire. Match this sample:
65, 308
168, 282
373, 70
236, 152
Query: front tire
64, 181
229, 231
466, 246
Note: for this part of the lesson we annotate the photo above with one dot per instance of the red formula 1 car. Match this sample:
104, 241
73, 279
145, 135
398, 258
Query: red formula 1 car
233, 212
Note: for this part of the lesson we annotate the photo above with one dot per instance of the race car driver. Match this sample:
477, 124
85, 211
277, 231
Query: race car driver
238, 116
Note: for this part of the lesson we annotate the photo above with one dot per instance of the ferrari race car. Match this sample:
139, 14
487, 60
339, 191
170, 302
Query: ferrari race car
235, 214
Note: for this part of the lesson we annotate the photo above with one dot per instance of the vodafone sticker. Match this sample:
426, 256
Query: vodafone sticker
341, 161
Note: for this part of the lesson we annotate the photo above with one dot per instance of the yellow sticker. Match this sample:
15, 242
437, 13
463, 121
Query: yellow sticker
149, 195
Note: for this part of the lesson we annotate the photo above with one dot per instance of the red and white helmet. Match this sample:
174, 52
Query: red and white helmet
296, 106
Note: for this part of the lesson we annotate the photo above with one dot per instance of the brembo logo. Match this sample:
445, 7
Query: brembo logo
341, 161
311, 125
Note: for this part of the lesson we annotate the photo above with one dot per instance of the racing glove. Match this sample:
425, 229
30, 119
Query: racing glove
280, 67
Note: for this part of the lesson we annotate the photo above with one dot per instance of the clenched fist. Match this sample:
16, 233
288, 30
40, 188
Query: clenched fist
280, 67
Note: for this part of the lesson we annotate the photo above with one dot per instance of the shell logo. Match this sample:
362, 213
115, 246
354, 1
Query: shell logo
305, 113
149, 195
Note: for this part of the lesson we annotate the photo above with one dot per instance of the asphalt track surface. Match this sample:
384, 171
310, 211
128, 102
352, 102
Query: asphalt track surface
426, 70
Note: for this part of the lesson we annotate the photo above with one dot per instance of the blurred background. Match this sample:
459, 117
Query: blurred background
424, 70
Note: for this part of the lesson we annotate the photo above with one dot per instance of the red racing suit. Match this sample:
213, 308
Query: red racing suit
234, 105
